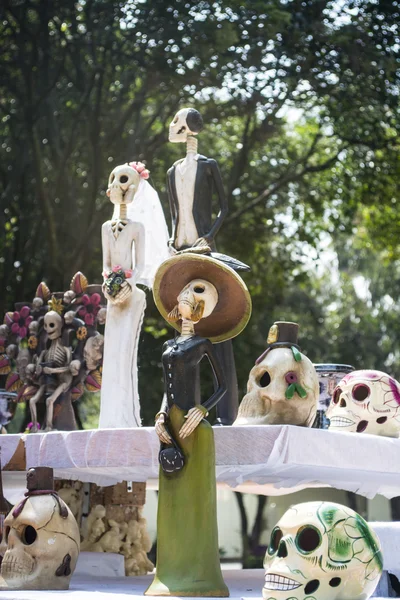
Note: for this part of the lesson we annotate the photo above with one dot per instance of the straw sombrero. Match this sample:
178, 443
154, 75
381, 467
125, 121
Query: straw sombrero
233, 310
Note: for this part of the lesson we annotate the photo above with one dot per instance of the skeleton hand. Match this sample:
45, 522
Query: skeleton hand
74, 367
161, 431
201, 246
171, 248
194, 417
38, 371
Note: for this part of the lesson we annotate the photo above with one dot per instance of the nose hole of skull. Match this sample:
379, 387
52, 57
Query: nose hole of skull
198, 289
381, 420
29, 535
123, 179
265, 379
360, 392
311, 586
336, 395
335, 582
282, 551
343, 403
308, 539
182, 129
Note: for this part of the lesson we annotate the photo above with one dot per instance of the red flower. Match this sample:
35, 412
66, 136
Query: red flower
19, 321
90, 308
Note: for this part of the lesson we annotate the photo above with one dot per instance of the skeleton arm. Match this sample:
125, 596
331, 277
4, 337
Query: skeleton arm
172, 208
196, 414
223, 202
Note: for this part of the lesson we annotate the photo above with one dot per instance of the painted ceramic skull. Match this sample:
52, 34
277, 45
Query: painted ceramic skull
366, 401
322, 551
53, 324
187, 121
42, 547
198, 292
267, 401
123, 184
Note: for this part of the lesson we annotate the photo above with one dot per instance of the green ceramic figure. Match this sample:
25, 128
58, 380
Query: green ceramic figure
206, 301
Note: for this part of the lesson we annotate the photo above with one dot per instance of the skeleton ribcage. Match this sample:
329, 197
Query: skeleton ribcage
57, 355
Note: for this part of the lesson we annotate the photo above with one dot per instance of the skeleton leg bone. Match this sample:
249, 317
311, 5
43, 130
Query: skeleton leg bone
32, 405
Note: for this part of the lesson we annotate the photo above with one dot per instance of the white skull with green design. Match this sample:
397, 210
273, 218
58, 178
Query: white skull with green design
322, 551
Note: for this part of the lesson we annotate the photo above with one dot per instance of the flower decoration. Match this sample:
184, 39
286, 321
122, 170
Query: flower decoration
13, 382
29, 427
26, 392
77, 392
56, 305
81, 333
32, 342
93, 380
141, 169
19, 321
90, 308
5, 364
293, 386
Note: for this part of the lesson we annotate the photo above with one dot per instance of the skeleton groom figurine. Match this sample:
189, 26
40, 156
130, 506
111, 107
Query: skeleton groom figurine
191, 182
206, 302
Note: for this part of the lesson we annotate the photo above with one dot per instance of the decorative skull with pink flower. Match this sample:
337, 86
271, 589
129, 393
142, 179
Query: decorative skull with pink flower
366, 402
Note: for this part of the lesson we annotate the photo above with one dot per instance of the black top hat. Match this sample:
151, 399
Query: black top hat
282, 334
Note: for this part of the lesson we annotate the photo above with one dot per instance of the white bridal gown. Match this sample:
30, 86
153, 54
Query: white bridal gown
142, 246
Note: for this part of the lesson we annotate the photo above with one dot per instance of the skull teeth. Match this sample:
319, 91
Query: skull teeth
279, 582
341, 421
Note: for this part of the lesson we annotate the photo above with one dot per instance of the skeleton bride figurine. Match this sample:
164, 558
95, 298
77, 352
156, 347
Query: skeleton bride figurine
134, 245
205, 300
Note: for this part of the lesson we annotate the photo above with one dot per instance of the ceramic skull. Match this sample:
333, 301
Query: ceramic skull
53, 323
42, 546
187, 121
322, 551
267, 401
123, 184
366, 401
198, 293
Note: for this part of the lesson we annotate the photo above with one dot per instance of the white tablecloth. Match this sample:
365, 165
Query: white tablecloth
242, 584
270, 460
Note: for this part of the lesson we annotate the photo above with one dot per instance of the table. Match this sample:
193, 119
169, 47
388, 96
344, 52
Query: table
269, 459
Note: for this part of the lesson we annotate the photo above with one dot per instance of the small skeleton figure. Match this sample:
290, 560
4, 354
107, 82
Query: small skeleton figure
56, 369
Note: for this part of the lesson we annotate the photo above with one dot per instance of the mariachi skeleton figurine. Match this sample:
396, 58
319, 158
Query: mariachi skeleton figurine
41, 537
191, 182
366, 402
204, 300
322, 551
283, 385
127, 260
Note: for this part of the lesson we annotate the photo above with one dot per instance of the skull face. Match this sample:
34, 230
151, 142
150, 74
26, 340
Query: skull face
123, 184
93, 352
42, 547
267, 401
322, 551
197, 300
187, 121
53, 324
366, 401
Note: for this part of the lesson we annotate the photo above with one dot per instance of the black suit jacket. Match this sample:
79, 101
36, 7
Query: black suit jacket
208, 178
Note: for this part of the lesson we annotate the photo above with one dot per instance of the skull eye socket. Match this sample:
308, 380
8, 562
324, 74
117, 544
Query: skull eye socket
52, 325
336, 395
123, 179
360, 392
265, 379
199, 289
29, 535
276, 537
308, 539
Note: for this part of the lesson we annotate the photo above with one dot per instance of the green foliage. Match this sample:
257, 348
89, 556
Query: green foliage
300, 102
